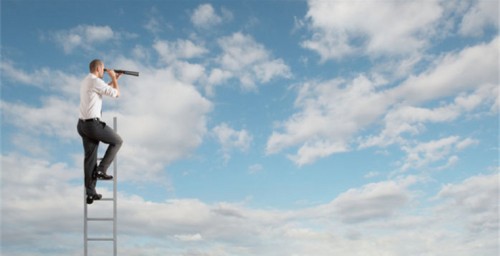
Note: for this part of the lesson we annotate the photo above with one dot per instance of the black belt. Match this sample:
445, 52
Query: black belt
90, 119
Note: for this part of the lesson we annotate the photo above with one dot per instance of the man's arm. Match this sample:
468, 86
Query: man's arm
114, 81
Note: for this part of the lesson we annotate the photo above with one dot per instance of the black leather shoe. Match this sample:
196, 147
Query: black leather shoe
91, 198
103, 176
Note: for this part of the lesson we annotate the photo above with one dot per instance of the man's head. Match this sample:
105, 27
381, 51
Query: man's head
96, 67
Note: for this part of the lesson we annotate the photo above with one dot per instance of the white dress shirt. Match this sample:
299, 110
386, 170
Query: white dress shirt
91, 91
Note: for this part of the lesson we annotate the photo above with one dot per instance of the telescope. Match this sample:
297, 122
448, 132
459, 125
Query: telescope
125, 72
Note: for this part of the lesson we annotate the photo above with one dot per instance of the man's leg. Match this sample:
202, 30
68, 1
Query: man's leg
90, 147
108, 136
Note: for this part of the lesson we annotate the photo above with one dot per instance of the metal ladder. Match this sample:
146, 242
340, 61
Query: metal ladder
86, 218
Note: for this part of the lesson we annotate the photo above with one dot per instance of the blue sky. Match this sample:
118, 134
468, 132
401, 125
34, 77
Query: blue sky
258, 127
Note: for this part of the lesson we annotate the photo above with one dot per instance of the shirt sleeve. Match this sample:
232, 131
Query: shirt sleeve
104, 89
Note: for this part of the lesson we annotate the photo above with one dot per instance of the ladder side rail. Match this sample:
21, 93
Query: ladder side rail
115, 180
85, 234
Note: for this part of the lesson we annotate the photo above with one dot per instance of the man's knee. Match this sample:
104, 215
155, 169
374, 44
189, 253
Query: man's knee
119, 141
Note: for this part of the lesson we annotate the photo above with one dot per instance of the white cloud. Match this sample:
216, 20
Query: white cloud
141, 53
327, 117
205, 16
27, 142
255, 168
60, 123
426, 153
481, 15
379, 218
446, 79
474, 202
327, 120
187, 72
372, 201
83, 36
38, 123
180, 49
248, 61
43, 78
217, 76
153, 25
15, 74
240, 51
162, 119
342, 28
461, 145
156, 23
189, 237
371, 174
230, 139
408, 120
41, 187
454, 73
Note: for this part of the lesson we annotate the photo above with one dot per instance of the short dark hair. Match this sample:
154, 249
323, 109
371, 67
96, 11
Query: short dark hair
94, 64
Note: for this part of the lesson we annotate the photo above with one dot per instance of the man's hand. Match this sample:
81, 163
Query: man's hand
111, 73
114, 80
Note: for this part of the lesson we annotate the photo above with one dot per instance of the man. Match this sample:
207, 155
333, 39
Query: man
93, 130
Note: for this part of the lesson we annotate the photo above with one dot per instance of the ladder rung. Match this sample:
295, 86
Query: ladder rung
100, 219
100, 239
113, 179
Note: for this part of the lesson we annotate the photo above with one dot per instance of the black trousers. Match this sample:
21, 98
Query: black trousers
93, 132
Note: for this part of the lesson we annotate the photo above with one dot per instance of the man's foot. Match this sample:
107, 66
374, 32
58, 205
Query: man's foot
91, 198
103, 176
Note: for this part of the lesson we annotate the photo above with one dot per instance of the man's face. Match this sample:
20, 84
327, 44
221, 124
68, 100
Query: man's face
100, 70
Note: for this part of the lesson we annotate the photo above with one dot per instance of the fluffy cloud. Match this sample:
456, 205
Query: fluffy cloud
454, 73
472, 89
205, 16
156, 23
430, 152
63, 114
478, 17
83, 36
372, 201
342, 28
13, 73
216, 76
86, 37
408, 120
249, 61
43, 78
38, 198
231, 139
162, 119
34, 121
36, 129
359, 221
331, 113
480, 209
328, 118
180, 49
